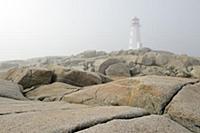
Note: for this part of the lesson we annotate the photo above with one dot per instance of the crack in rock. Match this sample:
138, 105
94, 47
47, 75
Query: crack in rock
19, 112
90, 124
180, 88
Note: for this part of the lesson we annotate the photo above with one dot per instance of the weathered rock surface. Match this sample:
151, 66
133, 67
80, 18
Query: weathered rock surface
153, 70
79, 78
56, 117
147, 59
14, 107
146, 124
185, 107
52, 92
45, 79
162, 58
11, 90
104, 65
28, 77
99, 61
119, 69
150, 92
196, 72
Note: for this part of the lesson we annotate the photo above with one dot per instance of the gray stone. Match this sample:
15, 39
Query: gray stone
35, 117
146, 124
51, 92
78, 78
196, 72
163, 59
135, 71
11, 90
147, 59
150, 92
153, 70
119, 69
104, 78
185, 107
28, 77
103, 66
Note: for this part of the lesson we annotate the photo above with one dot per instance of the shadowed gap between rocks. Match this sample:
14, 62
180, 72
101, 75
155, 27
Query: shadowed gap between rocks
29, 111
184, 125
92, 123
181, 87
18, 112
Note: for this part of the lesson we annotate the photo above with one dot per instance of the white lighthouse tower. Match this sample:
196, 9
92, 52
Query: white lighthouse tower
135, 40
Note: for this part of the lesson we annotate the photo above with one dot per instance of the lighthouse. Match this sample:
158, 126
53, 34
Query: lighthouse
135, 38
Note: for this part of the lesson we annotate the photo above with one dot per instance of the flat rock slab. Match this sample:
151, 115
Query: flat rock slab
11, 90
185, 107
10, 106
150, 92
57, 117
146, 124
52, 92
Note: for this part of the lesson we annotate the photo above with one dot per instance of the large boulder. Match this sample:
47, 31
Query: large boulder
146, 124
28, 77
11, 90
104, 65
77, 77
185, 107
51, 92
180, 61
163, 59
119, 69
58, 117
150, 92
147, 59
196, 72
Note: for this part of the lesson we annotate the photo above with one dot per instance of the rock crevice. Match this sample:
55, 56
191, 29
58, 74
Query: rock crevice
171, 99
93, 124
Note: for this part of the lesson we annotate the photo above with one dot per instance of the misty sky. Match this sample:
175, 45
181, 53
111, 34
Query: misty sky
33, 28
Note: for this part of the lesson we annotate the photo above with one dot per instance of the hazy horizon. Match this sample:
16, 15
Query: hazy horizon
37, 28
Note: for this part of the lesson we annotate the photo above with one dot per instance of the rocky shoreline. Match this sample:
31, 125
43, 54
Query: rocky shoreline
139, 91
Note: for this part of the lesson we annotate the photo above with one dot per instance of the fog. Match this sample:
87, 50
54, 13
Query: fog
33, 28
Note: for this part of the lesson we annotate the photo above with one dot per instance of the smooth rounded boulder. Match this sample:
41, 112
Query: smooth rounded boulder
118, 70
104, 65
28, 77
11, 90
185, 107
78, 78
